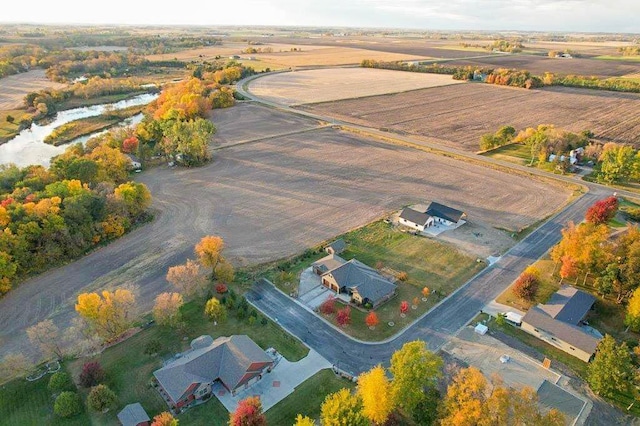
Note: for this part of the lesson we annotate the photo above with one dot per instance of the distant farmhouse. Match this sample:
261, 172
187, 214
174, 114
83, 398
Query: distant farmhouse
236, 362
436, 213
558, 322
364, 284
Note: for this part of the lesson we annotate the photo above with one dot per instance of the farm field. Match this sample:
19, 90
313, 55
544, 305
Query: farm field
14, 88
269, 200
303, 87
540, 64
247, 121
459, 115
282, 57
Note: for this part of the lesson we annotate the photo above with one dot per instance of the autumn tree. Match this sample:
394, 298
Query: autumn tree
209, 252
375, 392
303, 421
130, 144
404, 307
414, 369
426, 292
342, 408
108, 315
617, 163
526, 286
181, 101
91, 375
464, 401
248, 413
135, 197
8, 269
46, 336
343, 316
188, 278
611, 369
164, 419
328, 307
632, 319
372, 319
188, 141
568, 267
602, 211
101, 398
166, 310
215, 310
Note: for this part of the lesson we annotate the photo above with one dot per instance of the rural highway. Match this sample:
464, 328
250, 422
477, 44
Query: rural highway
444, 320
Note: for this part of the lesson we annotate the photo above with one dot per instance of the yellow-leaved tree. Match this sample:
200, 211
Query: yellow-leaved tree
375, 391
108, 314
166, 310
189, 278
342, 408
209, 252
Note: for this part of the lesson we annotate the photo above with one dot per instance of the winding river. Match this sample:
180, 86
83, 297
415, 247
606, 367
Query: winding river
28, 146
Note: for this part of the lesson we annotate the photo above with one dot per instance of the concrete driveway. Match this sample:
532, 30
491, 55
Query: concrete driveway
311, 292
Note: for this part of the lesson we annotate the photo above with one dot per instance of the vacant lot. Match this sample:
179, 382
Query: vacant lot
270, 200
540, 64
14, 88
459, 115
247, 121
303, 87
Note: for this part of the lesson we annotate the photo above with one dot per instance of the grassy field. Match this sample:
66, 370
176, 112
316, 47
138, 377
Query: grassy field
514, 153
129, 370
618, 58
14, 88
9, 130
74, 129
548, 285
24, 403
427, 262
307, 398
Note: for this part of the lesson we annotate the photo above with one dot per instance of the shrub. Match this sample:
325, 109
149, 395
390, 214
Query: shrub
328, 307
67, 404
343, 316
91, 375
10, 119
60, 382
526, 286
221, 288
251, 320
264, 321
215, 310
402, 276
404, 307
372, 319
152, 347
101, 398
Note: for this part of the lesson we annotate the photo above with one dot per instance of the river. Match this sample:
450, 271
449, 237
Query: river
28, 146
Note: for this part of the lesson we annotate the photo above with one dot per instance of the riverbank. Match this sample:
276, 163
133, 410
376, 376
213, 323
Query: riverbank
84, 126
10, 123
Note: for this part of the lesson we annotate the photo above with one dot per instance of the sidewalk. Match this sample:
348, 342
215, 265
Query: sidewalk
494, 308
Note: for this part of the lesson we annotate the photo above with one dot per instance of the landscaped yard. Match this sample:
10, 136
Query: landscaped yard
129, 370
514, 153
31, 403
439, 266
548, 285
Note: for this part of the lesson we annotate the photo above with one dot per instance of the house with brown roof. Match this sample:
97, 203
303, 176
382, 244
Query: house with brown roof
362, 283
236, 362
559, 322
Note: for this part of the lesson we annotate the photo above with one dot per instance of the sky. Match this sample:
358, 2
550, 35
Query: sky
531, 15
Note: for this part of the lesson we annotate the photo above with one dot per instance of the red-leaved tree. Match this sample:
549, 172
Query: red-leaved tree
248, 413
526, 286
372, 319
130, 145
404, 307
92, 374
221, 288
343, 317
328, 307
602, 211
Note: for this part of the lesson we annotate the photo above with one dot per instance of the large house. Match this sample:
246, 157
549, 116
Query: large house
235, 361
436, 213
559, 321
364, 284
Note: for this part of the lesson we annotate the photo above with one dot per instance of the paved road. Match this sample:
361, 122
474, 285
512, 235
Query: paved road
438, 324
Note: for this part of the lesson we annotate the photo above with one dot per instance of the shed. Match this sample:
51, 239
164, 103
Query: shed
133, 415
336, 247
481, 329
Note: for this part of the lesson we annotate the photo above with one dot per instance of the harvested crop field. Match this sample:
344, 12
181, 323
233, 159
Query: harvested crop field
14, 88
459, 115
303, 87
538, 65
247, 121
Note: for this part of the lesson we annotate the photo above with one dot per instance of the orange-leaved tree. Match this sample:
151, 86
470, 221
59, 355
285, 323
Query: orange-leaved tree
248, 413
372, 319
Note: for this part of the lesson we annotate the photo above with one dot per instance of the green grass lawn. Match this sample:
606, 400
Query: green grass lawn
129, 370
307, 398
548, 285
427, 262
24, 403
513, 153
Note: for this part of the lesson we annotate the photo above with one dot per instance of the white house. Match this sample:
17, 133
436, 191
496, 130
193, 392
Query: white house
415, 219
444, 214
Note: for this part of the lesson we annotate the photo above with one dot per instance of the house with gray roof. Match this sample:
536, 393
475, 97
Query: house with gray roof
415, 219
236, 362
133, 415
363, 283
445, 214
559, 322
336, 247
